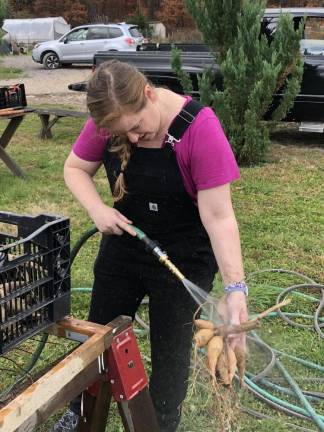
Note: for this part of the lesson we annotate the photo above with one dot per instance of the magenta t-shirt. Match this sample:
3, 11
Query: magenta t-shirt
204, 155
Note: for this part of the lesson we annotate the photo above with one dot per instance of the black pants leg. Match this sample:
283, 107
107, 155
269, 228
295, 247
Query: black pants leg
119, 291
114, 293
171, 330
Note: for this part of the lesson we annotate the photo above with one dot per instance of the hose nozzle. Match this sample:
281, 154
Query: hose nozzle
153, 247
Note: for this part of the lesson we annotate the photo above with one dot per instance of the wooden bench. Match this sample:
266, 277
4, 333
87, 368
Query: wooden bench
48, 122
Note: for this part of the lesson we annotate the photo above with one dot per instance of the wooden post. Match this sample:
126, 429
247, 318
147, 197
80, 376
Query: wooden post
15, 120
96, 409
45, 132
138, 414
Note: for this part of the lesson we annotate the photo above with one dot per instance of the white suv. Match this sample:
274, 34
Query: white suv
81, 43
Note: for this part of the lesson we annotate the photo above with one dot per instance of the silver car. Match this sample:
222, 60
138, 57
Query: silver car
81, 43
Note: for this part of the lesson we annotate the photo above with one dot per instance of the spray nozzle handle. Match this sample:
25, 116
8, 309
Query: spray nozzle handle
150, 245
140, 234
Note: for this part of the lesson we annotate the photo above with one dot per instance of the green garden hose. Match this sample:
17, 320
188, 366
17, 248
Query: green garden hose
306, 412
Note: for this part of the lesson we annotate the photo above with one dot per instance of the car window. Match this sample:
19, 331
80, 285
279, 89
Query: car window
78, 35
115, 32
98, 33
135, 32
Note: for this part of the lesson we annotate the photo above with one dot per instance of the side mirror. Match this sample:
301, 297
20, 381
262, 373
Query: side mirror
65, 40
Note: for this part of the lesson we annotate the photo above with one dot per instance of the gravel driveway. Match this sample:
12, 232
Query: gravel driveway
48, 86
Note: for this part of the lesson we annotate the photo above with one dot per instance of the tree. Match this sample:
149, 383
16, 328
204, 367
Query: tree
253, 69
3, 11
174, 15
73, 11
153, 6
21, 8
141, 21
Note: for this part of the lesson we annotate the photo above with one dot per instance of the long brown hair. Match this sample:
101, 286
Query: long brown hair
116, 88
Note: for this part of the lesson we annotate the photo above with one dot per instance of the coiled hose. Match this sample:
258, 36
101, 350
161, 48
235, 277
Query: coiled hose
306, 411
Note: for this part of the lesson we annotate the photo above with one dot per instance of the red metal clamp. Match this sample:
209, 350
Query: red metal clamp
126, 372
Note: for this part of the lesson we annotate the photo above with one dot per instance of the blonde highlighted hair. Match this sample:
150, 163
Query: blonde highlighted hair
114, 89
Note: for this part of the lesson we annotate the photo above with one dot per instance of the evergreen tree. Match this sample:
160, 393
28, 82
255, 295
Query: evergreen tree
3, 11
141, 21
253, 69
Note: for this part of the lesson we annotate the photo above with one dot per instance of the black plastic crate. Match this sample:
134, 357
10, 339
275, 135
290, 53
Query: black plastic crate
13, 96
35, 281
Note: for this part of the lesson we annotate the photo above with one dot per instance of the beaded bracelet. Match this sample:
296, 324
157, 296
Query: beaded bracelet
237, 286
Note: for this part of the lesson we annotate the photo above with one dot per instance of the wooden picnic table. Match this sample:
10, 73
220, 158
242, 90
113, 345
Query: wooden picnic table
15, 118
48, 122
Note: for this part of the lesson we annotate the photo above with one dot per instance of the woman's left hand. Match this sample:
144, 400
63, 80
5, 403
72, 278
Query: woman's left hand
233, 310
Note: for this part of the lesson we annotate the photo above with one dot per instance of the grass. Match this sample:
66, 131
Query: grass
280, 213
9, 72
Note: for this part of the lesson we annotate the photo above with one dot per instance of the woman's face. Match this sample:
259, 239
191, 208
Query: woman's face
144, 125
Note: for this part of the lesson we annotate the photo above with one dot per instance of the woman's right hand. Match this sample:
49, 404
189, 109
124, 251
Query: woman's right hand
110, 221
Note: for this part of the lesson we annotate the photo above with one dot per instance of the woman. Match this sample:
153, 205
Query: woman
178, 192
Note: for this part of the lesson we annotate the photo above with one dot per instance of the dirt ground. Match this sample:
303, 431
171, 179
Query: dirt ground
48, 86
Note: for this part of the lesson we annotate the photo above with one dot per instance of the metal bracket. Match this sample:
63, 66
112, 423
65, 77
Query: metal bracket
126, 372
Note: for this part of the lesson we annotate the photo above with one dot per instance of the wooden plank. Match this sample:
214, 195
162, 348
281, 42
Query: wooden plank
11, 164
11, 113
45, 132
71, 390
40, 394
68, 326
10, 130
96, 409
5, 138
138, 414
61, 112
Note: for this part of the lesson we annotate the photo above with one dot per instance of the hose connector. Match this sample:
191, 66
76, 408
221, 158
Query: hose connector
153, 247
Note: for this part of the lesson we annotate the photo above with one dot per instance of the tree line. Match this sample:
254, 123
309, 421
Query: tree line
78, 12
173, 13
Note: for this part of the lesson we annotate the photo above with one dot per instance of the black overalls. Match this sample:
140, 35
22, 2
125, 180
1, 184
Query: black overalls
125, 272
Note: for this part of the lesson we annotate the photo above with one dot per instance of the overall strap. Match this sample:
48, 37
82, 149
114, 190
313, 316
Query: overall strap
183, 120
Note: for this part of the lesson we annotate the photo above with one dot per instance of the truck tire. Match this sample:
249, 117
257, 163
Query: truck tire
51, 61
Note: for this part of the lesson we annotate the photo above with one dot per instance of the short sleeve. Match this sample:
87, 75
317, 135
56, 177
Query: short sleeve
91, 143
212, 159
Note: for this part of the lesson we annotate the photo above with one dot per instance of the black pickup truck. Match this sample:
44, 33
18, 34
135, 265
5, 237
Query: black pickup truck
155, 61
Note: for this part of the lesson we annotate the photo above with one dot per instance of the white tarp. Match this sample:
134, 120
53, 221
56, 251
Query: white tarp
32, 30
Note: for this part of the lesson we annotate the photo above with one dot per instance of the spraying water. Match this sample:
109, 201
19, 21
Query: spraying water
201, 297
198, 294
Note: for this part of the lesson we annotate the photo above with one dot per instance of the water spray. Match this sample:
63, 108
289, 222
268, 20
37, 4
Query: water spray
199, 295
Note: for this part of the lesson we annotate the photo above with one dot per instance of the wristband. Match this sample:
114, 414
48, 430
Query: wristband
237, 286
